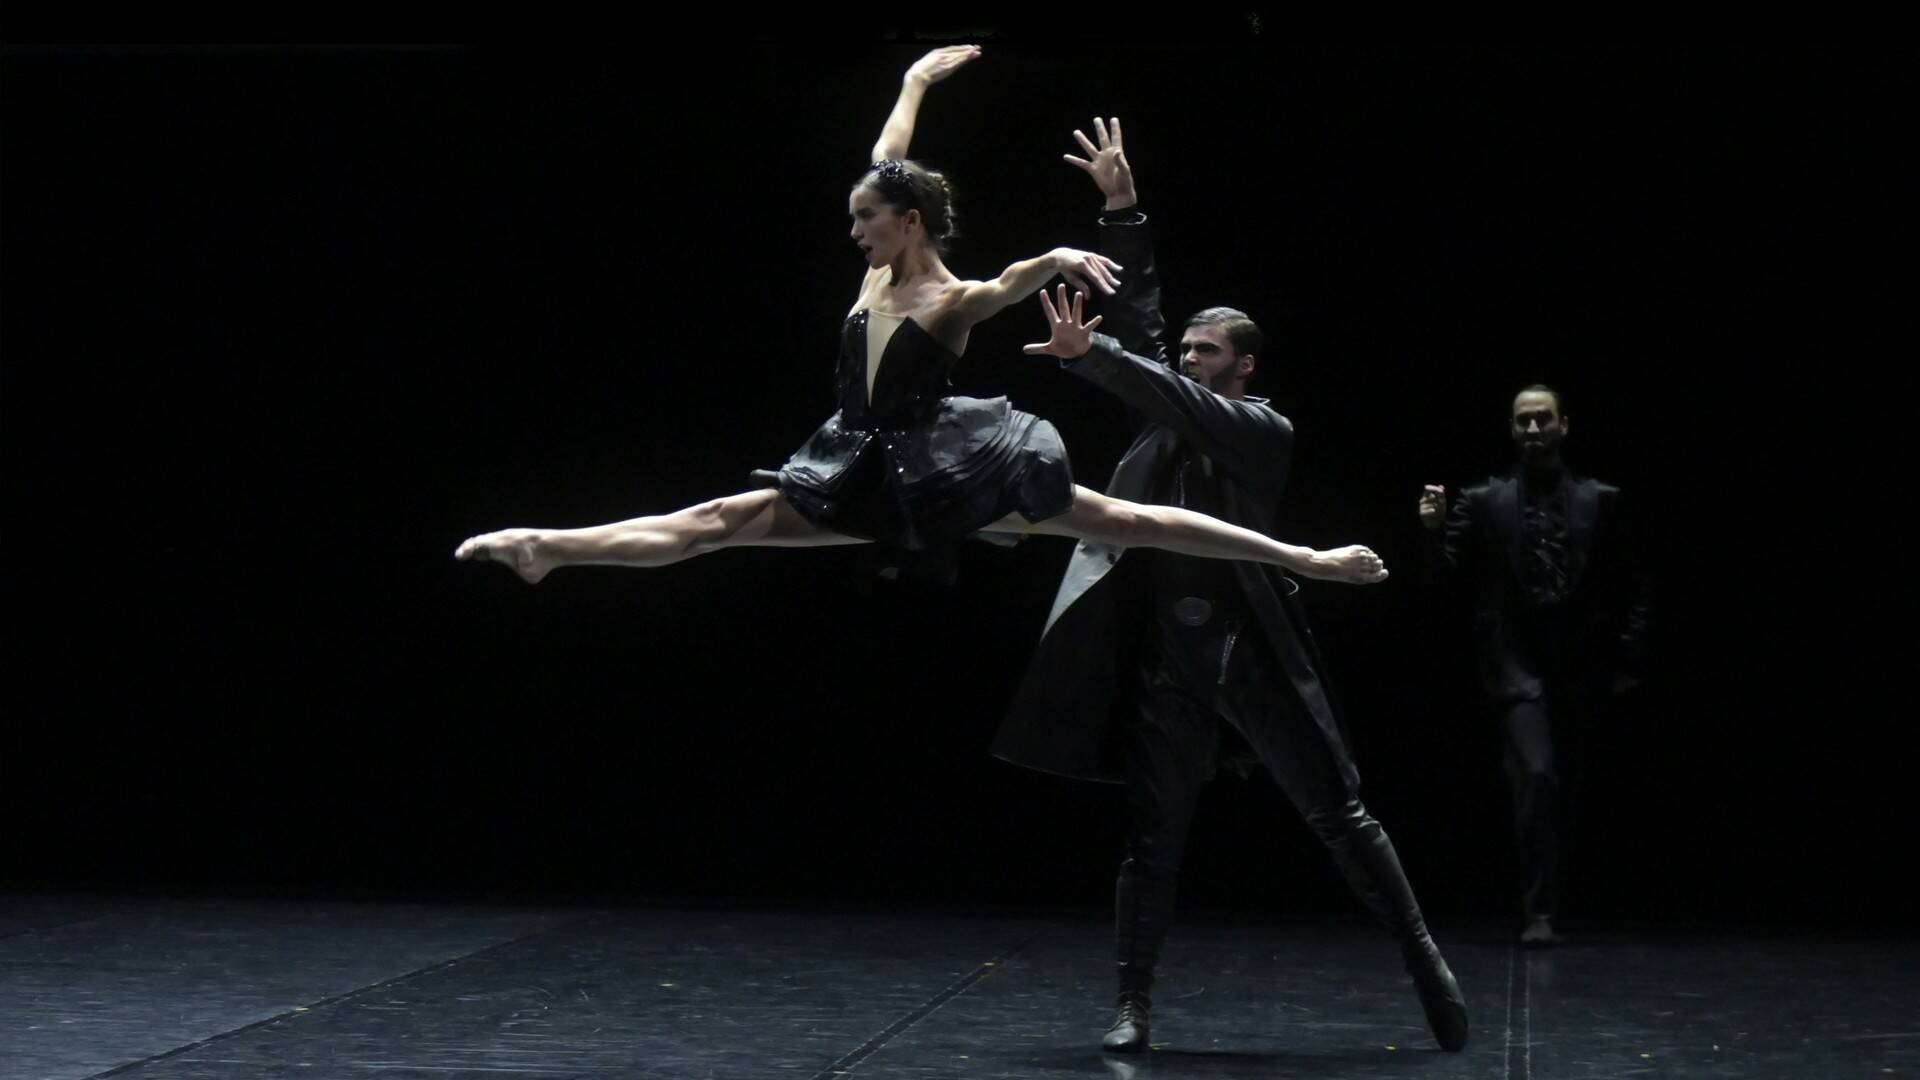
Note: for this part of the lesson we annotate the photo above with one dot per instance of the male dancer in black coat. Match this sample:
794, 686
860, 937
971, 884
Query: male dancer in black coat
1151, 664
1559, 598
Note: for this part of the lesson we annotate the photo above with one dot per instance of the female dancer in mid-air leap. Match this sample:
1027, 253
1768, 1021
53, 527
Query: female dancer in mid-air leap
904, 462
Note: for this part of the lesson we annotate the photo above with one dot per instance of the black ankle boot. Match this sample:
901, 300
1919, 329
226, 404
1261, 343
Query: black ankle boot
1142, 911
1440, 996
1128, 1035
1366, 858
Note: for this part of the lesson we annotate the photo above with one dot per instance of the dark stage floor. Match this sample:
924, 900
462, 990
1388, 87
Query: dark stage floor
231, 989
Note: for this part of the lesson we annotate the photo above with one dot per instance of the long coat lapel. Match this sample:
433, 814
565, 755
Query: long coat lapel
1134, 477
1583, 516
1061, 715
1504, 493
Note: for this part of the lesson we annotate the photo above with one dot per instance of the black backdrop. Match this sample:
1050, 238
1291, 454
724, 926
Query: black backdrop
282, 326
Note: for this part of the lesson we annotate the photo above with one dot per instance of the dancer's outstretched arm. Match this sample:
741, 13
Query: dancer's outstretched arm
897, 135
1104, 519
1133, 312
972, 302
1246, 438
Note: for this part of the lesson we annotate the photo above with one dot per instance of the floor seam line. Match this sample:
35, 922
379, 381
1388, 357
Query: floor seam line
852, 1059
327, 1002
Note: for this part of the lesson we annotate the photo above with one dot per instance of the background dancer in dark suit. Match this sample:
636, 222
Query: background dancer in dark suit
1560, 603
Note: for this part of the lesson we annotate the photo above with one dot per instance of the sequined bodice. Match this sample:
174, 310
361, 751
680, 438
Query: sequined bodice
910, 380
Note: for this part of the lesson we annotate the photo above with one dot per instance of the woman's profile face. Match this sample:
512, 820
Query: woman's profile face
879, 229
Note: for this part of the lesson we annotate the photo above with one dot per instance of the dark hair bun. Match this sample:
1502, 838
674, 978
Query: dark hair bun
909, 185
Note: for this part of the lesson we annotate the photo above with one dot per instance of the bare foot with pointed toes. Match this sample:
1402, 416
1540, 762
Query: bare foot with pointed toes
521, 550
1354, 565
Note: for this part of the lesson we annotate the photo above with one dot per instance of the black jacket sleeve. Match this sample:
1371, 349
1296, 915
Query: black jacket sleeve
1132, 313
1246, 437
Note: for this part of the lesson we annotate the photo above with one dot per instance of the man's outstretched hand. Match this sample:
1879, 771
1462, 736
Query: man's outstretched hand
1107, 164
1071, 338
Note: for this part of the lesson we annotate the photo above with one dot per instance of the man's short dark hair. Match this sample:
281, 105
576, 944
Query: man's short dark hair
1559, 403
1241, 332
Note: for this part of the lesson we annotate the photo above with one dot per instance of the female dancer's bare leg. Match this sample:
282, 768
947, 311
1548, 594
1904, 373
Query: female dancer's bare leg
753, 519
765, 519
1104, 519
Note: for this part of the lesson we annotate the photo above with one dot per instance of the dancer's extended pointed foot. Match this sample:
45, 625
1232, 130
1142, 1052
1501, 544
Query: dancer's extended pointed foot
1354, 564
521, 550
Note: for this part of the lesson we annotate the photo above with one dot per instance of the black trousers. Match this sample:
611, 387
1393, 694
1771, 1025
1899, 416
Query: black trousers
1174, 746
1533, 775
1173, 750
1556, 693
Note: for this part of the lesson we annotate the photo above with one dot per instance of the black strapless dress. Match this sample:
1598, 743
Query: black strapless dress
916, 467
